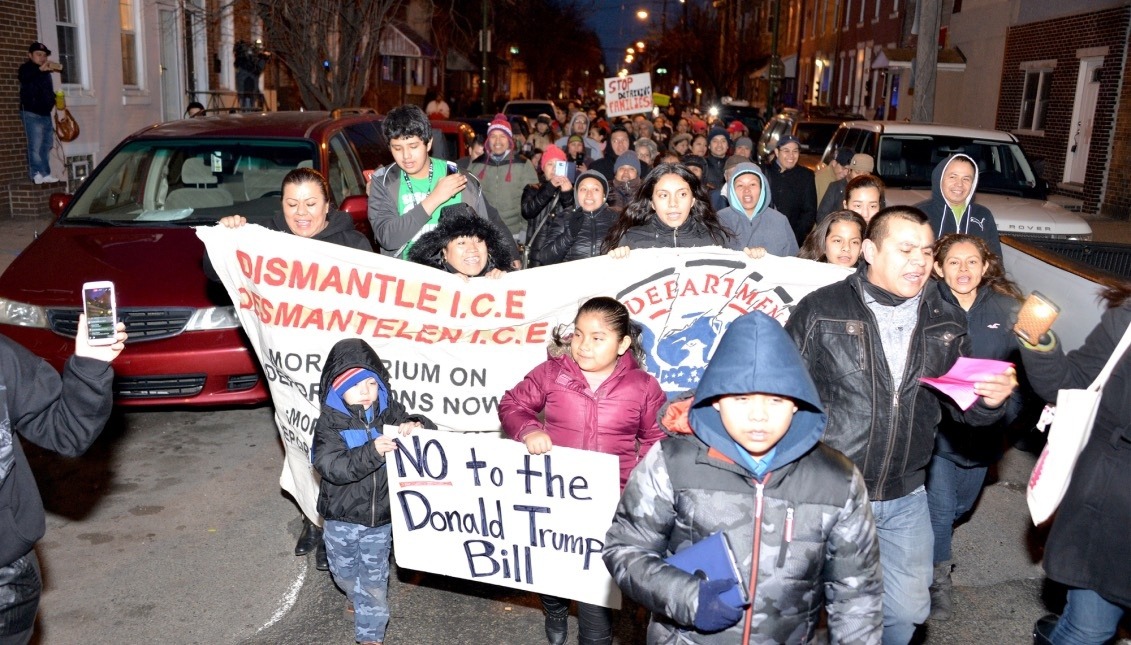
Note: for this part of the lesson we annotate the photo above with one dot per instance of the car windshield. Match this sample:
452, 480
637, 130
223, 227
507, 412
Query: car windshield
813, 137
908, 161
529, 110
190, 180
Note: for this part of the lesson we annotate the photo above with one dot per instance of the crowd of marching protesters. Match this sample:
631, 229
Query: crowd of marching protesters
834, 474
928, 286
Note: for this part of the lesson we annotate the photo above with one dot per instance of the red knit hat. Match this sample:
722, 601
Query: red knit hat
552, 153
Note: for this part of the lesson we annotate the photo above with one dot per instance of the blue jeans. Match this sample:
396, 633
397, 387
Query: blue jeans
951, 493
40, 136
903, 526
359, 562
1088, 619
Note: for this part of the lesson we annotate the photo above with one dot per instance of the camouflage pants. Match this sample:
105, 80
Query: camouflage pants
359, 561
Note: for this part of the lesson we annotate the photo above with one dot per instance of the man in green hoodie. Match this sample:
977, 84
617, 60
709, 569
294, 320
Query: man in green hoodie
748, 462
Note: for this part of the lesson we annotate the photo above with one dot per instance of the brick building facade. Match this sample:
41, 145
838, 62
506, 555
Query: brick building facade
1066, 54
16, 33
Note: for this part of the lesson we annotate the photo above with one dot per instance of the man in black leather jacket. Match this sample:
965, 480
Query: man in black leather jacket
867, 341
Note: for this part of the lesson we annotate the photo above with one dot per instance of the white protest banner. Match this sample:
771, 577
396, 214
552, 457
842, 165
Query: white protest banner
482, 508
630, 94
453, 347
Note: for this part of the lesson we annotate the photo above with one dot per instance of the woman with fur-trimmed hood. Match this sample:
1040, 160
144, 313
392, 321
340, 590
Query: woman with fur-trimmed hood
464, 244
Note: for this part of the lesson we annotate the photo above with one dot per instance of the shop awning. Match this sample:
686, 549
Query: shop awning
398, 40
951, 59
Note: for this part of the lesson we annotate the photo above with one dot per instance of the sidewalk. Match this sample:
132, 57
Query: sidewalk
16, 233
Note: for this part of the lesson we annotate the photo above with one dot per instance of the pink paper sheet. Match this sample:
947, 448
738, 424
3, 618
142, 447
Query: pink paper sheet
958, 383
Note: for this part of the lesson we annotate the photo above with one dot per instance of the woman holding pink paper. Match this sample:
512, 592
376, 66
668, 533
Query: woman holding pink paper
971, 276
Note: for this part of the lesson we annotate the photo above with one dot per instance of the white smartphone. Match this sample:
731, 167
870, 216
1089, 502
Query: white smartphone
99, 303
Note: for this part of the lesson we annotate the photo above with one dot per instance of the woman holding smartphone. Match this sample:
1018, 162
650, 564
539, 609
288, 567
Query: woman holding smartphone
544, 201
970, 276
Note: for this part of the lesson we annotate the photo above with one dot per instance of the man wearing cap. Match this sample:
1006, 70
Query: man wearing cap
503, 173
744, 147
626, 180
717, 145
861, 164
835, 170
736, 130
833, 199
793, 188
37, 99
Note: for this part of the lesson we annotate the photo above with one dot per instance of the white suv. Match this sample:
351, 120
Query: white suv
906, 154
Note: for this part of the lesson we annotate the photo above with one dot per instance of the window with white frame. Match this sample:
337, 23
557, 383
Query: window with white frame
863, 6
67, 32
1034, 99
848, 14
127, 15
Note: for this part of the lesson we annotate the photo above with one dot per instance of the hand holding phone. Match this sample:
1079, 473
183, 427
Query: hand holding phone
1035, 318
99, 303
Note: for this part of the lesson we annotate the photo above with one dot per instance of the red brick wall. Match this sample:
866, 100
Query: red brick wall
1116, 200
17, 31
1059, 39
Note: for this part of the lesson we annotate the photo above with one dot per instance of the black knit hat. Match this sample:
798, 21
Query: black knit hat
461, 220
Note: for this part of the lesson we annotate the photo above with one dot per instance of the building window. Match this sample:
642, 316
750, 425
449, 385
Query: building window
67, 31
1034, 99
863, 6
848, 14
127, 14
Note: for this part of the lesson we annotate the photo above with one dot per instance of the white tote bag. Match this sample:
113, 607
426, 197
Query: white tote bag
1072, 420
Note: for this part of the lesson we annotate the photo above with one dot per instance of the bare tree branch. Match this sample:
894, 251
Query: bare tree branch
329, 46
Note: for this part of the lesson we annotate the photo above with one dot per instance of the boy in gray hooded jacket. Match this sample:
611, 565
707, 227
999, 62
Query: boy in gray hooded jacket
747, 461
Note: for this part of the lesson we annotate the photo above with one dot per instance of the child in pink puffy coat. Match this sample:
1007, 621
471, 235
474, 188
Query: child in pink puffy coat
592, 395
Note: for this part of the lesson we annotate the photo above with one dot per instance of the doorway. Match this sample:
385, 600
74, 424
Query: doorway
1083, 118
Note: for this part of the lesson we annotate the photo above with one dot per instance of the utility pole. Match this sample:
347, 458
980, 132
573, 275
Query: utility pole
776, 70
485, 46
926, 61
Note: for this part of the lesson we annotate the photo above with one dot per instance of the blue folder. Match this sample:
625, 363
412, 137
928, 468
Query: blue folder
712, 559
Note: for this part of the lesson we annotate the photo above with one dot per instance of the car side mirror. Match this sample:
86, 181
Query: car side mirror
57, 202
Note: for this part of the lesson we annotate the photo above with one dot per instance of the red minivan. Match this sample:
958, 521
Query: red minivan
132, 223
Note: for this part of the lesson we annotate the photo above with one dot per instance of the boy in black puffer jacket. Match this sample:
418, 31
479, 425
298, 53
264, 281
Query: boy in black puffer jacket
349, 453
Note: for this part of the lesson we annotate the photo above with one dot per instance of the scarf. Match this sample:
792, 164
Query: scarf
882, 296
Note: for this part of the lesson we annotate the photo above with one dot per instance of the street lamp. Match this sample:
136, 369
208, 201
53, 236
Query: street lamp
642, 14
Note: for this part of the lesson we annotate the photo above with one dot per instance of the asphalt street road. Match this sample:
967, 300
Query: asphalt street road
173, 528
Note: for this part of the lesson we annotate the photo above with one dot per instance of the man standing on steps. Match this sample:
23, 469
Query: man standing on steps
37, 99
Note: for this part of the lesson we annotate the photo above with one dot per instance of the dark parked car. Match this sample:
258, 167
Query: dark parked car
813, 132
132, 223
